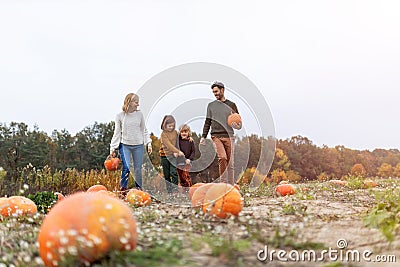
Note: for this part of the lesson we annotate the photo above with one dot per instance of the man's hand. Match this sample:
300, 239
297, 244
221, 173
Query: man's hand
149, 149
236, 126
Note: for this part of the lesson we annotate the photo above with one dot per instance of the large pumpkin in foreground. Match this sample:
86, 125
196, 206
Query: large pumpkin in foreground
222, 199
84, 227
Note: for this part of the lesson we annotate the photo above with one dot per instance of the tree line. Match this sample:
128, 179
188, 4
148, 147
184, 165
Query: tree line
296, 158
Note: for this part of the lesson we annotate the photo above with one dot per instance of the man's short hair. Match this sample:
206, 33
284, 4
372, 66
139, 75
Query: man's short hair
220, 85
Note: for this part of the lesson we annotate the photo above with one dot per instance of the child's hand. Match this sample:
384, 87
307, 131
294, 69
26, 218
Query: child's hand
188, 161
191, 139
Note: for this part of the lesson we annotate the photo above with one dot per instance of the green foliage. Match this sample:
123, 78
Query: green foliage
43, 200
287, 239
354, 181
229, 249
161, 253
384, 216
294, 208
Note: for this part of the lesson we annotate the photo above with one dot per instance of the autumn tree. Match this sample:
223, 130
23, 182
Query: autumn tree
358, 170
396, 170
385, 170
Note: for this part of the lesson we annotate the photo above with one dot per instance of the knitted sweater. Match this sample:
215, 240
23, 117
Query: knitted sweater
187, 147
217, 118
129, 129
169, 142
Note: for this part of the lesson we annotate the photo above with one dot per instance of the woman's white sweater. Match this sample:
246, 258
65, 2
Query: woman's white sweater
129, 129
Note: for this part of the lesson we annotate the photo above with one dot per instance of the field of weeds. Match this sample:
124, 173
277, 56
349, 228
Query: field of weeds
318, 217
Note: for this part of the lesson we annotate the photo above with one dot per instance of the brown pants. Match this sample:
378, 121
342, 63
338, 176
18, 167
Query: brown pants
184, 175
224, 146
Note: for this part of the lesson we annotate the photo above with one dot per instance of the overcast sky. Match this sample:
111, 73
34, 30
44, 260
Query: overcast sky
329, 70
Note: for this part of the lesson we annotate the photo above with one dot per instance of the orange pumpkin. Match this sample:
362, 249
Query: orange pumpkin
193, 188
199, 194
369, 183
3, 204
138, 198
109, 193
337, 182
59, 196
234, 117
17, 206
84, 227
284, 189
112, 164
96, 188
222, 199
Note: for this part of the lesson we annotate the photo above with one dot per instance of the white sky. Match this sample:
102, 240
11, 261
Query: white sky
329, 70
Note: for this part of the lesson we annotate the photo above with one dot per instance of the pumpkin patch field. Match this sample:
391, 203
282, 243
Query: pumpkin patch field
100, 228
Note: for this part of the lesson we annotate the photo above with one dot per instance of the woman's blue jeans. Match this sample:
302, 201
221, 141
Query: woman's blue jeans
127, 154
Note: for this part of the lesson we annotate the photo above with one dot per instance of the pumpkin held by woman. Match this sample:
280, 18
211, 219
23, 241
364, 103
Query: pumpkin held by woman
112, 164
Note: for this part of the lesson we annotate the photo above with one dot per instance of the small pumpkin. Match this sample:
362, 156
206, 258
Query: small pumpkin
284, 189
234, 117
193, 188
96, 188
369, 183
199, 194
17, 206
337, 182
59, 196
112, 163
222, 199
84, 227
138, 198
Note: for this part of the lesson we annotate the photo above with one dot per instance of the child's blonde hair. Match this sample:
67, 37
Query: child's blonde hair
185, 128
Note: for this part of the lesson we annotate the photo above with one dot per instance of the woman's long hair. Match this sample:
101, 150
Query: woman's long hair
129, 98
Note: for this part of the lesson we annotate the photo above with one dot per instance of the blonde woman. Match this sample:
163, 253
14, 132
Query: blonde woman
130, 137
